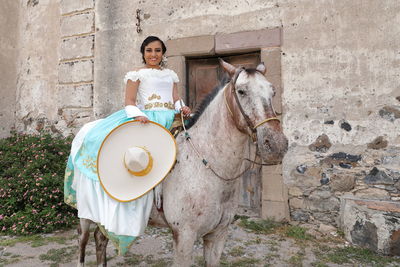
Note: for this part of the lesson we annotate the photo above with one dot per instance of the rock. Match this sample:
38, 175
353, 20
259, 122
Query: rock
301, 168
299, 215
345, 165
295, 191
376, 176
326, 229
321, 144
373, 193
322, 201
329, 122
305, 181
326, 217
378, 143
361, 220
345, 126
397, 185
365, 234
390, 113
342, 183
346, 157
296, 203
395, 243
325, 179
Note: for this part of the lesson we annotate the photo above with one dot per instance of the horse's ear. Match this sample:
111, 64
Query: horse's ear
261, 68
227, 67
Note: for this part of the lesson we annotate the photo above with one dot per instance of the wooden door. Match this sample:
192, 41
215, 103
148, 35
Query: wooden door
203, 75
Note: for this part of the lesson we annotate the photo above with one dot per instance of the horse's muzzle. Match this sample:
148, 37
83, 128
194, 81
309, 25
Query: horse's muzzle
272, 145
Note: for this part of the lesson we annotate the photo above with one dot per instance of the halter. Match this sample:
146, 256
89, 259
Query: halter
250, 125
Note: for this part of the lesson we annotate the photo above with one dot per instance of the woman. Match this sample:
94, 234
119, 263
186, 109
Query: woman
151, 94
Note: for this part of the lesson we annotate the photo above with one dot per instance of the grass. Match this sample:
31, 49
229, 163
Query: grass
243, 262
297, 233
259, 226
35, 240
237, 251
297, 259
61, 255
352, 255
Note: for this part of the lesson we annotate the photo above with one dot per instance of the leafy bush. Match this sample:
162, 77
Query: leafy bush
31, 184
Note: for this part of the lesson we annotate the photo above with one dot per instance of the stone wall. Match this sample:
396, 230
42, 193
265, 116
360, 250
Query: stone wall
9, 15
76, 62
37, 64
340, 67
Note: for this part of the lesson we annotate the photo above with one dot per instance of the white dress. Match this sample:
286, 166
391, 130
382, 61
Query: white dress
122, 222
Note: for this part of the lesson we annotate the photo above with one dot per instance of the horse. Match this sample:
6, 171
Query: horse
201, 191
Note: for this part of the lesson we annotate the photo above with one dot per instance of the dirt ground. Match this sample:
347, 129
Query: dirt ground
251, 242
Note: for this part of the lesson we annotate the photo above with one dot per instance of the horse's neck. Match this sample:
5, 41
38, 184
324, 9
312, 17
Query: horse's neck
218, 139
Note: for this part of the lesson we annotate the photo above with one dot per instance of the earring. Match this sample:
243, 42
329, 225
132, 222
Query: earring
163, 62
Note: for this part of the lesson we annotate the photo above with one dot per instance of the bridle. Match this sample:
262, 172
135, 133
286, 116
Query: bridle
250, 125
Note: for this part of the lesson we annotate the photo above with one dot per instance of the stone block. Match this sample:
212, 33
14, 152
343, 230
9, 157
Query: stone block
373, 224
342, 182
77, 47
191, 46
76, 71
70, 115
296, 203
272, 60
373, 193
273, 187
247, 41
75, 96
69, 6
276, 210
77, 24
295, 191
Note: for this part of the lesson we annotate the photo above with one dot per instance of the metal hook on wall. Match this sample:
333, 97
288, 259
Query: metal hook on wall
138, 29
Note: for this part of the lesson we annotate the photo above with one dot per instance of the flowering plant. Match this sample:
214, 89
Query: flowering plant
31, 184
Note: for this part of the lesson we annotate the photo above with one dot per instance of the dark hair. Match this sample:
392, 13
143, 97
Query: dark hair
151, 39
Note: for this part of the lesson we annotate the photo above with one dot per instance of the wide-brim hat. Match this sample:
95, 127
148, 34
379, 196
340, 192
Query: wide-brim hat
120, 152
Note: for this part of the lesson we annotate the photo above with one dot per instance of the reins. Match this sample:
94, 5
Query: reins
252, 135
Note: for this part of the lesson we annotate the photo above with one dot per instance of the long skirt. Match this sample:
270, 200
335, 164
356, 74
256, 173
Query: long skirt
121, 222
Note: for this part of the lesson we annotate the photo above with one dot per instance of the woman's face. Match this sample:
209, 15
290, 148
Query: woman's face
153, 54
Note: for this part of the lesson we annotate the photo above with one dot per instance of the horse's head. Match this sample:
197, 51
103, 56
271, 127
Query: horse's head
249, 100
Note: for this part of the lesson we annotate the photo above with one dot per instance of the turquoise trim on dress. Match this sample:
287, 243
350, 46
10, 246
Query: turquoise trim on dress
86, 160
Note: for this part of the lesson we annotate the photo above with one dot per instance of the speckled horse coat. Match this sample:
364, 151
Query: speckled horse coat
196, 203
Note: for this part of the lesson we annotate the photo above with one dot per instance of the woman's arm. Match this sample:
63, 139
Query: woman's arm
131, 110
131, 92
175, 96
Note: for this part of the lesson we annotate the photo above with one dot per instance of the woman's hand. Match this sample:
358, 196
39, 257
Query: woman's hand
142, 119
186, 111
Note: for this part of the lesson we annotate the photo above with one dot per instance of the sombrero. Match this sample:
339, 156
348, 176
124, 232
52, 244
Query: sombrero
134, 158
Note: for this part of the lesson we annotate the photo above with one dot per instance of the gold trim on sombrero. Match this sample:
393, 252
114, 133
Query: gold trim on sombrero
145, 170
99, 173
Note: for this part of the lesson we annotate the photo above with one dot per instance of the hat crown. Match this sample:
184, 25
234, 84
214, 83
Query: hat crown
137, 160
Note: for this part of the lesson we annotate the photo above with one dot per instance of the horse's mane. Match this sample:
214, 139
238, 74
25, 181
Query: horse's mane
205, 102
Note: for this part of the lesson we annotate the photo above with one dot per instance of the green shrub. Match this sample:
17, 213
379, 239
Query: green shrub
31, 184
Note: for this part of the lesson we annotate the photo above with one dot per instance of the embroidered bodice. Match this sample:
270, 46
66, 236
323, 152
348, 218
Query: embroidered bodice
155, 88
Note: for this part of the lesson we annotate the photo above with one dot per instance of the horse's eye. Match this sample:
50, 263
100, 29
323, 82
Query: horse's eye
241, 92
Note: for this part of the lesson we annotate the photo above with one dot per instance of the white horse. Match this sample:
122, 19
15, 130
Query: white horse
200, 197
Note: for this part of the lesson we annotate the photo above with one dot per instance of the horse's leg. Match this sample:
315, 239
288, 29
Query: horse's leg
101, 246
83, 232
214, 245
183, 247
